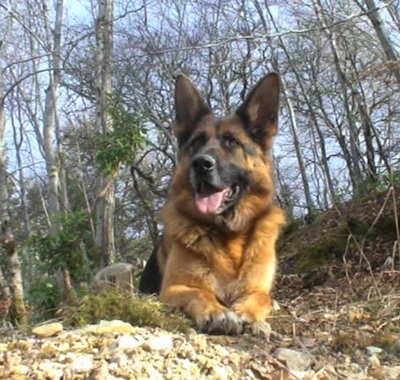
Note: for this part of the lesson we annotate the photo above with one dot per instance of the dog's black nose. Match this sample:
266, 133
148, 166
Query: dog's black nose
203, 163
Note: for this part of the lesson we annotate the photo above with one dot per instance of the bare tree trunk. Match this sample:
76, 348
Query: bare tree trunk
370, 131
5, 296
18, 139
376, 21
356, 157
293, 127
3, 164
9, 244
56, 58
105, 195
297, 148
313, 119
394, 13
49, 130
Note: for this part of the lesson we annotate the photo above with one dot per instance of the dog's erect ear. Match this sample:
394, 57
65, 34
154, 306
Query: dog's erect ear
190, 107
259, 112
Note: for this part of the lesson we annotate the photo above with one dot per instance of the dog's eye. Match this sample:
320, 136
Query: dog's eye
197, 143
230, 141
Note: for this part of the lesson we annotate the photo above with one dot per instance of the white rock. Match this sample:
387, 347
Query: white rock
127, 343
374, 361
121, 359
51, 370
160, 344
113, 366
152, 373
222, 351
20, 370
82, 364
392, 373
295, 360
372, 350
302, 374
220, 373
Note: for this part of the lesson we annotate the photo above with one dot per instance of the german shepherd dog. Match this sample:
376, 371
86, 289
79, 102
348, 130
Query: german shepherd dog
216, 260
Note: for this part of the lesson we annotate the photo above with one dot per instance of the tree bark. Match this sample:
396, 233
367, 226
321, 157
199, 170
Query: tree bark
297, 148
387, 46
8, 243
50, 112
10, 246
293, 126
356, 157
321, 143
105, 194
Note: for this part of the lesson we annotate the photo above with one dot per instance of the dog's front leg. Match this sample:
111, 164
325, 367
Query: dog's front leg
254, 302
189, 284
203, 307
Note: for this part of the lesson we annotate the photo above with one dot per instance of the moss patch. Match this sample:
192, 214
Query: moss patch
109, 305
323, 251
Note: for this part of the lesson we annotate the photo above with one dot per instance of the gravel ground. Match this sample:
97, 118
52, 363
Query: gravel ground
116, 350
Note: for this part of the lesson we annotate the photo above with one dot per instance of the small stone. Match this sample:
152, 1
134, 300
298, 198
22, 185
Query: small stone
374, 361
295, 360
392, 373
51, 370
219, 373
113, 366
200, 342
261, 328
19, 370
191, 333
127, 343
161, 344
355, 367
250, 374
300, 375
152, 373
221, 351
63, 347
82, 364
396, 347
102, 372
48, 330
121, 359
112, 327
372, 350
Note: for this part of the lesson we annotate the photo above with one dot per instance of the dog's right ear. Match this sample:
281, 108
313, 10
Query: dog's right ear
190, 107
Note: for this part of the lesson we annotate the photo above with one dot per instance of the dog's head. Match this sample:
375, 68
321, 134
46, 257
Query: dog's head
224, 173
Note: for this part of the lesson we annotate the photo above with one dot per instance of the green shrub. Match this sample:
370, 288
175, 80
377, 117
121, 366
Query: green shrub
43, 297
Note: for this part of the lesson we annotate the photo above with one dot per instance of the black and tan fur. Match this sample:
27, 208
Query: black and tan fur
216, 260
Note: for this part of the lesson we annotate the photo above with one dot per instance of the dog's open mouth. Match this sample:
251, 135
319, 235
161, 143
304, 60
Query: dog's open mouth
211, 200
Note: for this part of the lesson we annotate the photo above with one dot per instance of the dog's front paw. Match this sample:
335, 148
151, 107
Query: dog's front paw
224, 323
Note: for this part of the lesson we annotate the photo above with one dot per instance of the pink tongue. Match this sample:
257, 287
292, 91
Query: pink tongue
209, 203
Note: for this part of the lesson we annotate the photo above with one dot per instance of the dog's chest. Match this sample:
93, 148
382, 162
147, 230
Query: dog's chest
228, 290
229, 271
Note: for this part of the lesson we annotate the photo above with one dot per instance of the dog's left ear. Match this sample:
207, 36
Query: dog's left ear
259, 112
